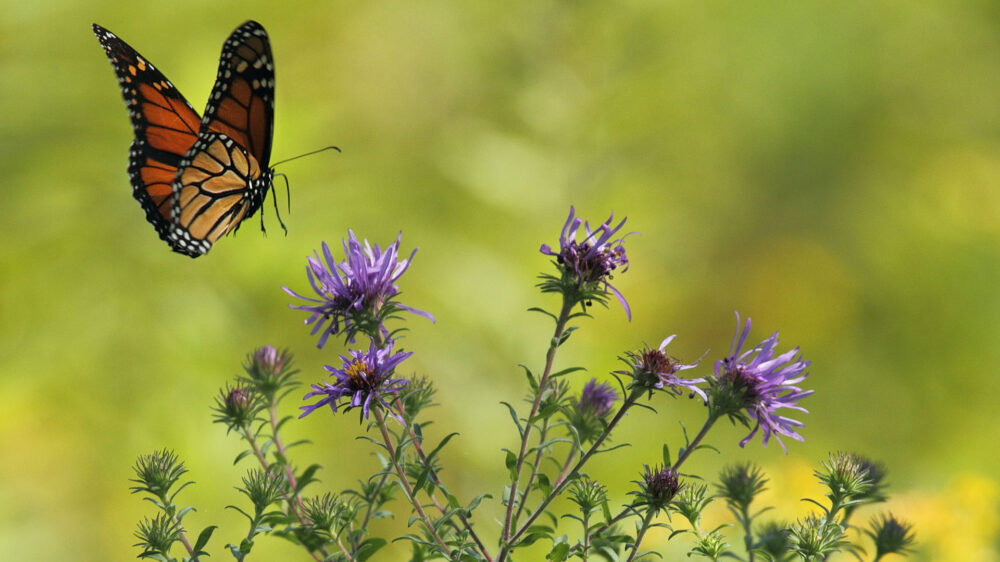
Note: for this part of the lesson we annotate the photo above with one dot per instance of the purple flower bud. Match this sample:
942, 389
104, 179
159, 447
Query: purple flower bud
597, 399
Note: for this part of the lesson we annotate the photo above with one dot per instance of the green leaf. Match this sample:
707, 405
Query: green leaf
545, 312
440, 445
368, 548
607, 512
544, 485
246, 545
531, 377
306, 477
513, 416
511, 463
182, 512
241, 456
203, 538
666, 455
566, 371
559, 553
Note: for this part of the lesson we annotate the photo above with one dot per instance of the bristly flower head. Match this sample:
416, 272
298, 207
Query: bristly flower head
587, 265
657, 488
236, 406
358, 291
891, 535
653, 368
268, 370
157, 472
363, 380
754, 384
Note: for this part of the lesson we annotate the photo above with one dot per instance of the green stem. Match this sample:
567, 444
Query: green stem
642, 533
410, 495
550, 356
534, 474
747, 533
293, 506
694, 444
437, 482
562, 481
371, 508
171, 510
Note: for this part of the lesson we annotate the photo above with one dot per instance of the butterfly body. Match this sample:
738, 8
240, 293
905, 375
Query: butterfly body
197, 178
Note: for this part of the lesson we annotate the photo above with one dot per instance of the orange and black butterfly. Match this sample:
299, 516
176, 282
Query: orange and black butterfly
198, 178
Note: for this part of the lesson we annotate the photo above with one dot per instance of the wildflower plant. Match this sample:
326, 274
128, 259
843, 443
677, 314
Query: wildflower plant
549, 505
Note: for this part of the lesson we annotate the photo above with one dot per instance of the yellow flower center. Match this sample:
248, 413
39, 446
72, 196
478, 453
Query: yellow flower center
359, 373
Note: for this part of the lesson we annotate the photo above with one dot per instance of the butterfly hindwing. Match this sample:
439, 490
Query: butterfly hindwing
164, 123
212, 193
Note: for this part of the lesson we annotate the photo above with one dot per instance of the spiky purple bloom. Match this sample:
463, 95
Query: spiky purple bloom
593, 259
656, 362
768, 383
362, 379
357, 291
597, 399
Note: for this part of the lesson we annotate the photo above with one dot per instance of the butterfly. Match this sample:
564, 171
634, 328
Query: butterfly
198, 178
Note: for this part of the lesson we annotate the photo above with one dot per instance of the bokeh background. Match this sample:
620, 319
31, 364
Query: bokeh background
830, 169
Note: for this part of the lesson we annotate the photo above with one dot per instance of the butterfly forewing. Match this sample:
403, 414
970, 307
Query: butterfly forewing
164, 123
242, 102
219, 180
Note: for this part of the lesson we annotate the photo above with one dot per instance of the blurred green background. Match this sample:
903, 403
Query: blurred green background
830, 169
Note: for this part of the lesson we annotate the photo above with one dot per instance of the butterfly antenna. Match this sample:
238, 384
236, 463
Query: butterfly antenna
306, 154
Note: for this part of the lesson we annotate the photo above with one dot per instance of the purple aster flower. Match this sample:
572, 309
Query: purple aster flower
597, 398
767, 383
363, 379
358, 291
654, 368
592, 260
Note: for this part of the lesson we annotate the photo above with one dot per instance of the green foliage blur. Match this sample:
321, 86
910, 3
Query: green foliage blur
830, 169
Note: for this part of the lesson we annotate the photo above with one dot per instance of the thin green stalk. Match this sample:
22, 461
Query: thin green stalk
437, 482
642, 533
550, 356
694, 443
406, 482
171, 510
560, 484
747, 533
534, 474
292, 505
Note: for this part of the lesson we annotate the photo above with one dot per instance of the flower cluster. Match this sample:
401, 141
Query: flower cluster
558, 433
359, 292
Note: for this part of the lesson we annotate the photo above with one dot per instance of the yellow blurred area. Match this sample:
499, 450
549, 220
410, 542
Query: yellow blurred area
831, 170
